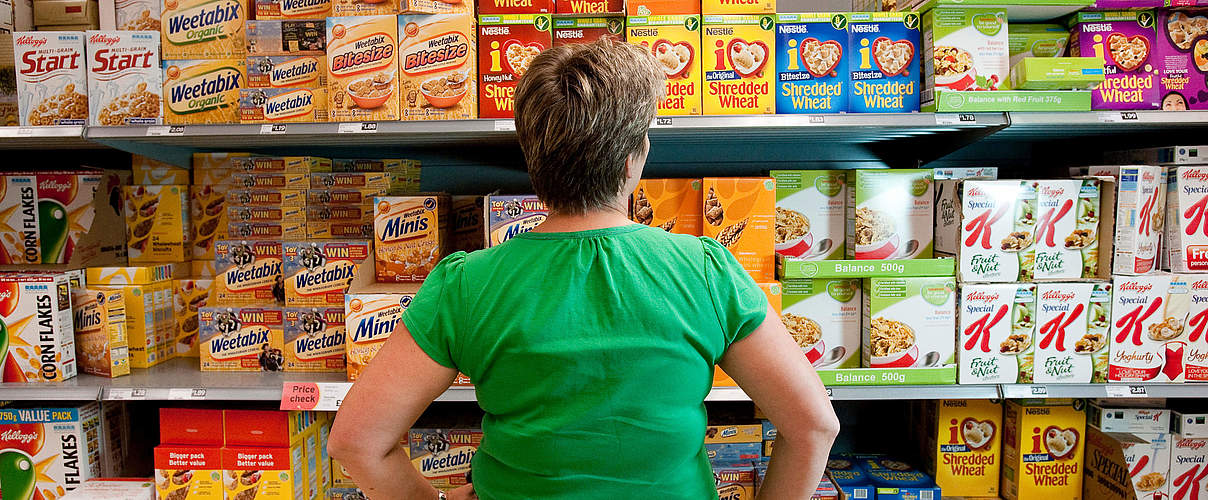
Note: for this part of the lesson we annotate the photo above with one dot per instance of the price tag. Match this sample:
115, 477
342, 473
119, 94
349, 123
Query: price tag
25, 131
817, 120
272, 129
127, 393
830, 394
172, 130
180, 393
1126, 391
357, 128
322, 396
1118, 116
955, 118
505, 125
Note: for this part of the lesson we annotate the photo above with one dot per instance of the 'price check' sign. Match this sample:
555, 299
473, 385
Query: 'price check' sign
323, 396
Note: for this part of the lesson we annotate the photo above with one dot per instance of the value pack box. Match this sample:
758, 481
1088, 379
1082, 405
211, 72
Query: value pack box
585, 29
1125, 41
318, 272
442, 456
38, 324
997, 333
99, 320
909, 322
203, 90
197, 470
1056, 73
823, 316
506, 216
673, 205
362, 66
675, 42
885, 76
272, 37
739, 80
50, 449
962, 451
1042, 450
1149, 315
1036, 41
1070, 228
264, 472
993, 234
1139, 216
1186, 234
52, 84
410, 236
438, 63
157, 222
1073, 333
369, 319
894, 211
1181, 73
241, 339
314, 339
507, 44
125, 83
815, 78
203, 29
745, 228
810, 206
966, 49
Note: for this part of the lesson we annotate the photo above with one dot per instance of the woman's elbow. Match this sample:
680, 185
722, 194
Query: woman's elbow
342, 444
830, 425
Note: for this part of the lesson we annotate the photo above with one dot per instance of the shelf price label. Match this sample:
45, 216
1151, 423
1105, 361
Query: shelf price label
1126, 391
1118, 116
357, 128
505, 125
186, 393
1015, 391
127, 393
272, 129
955, 118
321, 396
166, 131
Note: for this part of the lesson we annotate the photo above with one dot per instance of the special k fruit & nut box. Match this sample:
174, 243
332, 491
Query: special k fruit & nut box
740, 214
203, 90
52, 84
675, 42
1042, 450
410, 236
362, 65
241, 339
997, 333
1067, 234
507, 44
673, 205
437, 62
125, 82
204, 29
1072, 333
739, 68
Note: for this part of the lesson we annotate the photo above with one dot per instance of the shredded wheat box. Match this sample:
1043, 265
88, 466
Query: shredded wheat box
442, 456
203, 29
1073, 332
509, 215
963, 449
362, 66
438, 64
810, 207
909, 322
997, 326
369, 319
673, 205
1067, 235
823, 316
314, 339
675, 42
740, 213
248, 273
587, 29
814, 78
49, 451
38, 345
203, 91
893, 214
318, 272
410, 236
507, 44
1140, 216
99, 319
1149, 316
52, 84
125, 82
741, 75
241, 339
1042, 450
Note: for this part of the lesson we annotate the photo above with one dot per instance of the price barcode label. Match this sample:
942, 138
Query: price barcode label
505, 125
1126, 391
127, 393
171, 130
357, 128
180, 393
662, 121
817, 120
25, 131
955, 118
272, 129
1118, 116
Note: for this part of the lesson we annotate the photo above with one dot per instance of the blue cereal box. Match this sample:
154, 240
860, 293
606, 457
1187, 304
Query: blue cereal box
896, 480
811, 76
847, 474
883, 62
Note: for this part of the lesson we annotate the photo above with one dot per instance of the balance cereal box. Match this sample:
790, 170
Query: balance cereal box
997, 333
288, 71
99, 319
36, 314
137, 15
288, 105
511, 215
437, 61
899, 313
1140, 217
1125, 41
203, 91
1186, 206
260, 473
675, 42
286, 37
188, 472
738, 78
823, 316
362, 66
1149, 317
241, 339
208, 215
65, 201
810, 208
884, 62
1042, 450
314, 339
52, 85
49, 451
894, 214
965, 49
1073, 332
568, 30
318, 272
964, 438
157, 223
997, 229
811, 73
291, 9
203, 29
442, 456
1188, 467
410, 236
369, 319
507, 44
19, 220
248, 273
1181, 76
673, 205
125, 82
740, 214
1067, 236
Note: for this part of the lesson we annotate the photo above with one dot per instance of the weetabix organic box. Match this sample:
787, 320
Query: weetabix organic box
823, 316
38, 345
99, 319
740, 213
318, 272
673, 205
963, 448
810, 207
738, 78
587, 29
203, 29
1125, 41
410, 236
1073, 332
997, 333
507, 44
314, 339
437, 60
203, 91
369, 319
362, 66
675, 42
1042, 450
157, 222
241, 339
125, 83
884, 62
1149, 318
890, 214
506, 216
52, 84
811, 72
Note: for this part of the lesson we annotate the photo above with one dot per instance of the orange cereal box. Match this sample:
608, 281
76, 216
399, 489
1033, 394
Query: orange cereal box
318, 272
507, 44
314, 339
504, 7
203, 91
410, 236
157, 223
673, 205
437, 64
203, 29
248, 273
740, 213
674, 41
369, 319
52, 86
1042, 448
587, 29
362, 67
963, 448
99, 319
740, 66
188, 472
241, 339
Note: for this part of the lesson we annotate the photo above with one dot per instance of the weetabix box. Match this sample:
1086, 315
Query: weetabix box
675, 42
410, 236
810, 207
1042, 450
740, 213
50, 451
1125, 41
1149, 316
287, 105
318, 272
813, 78
125, 83
188, 472
189, 296
203, 91
314, 339
287, 71
446, 465
287, 9
248, 273
52, 84
99, 319
587, 29
673, 205
507, 44
241, 339
157, 222
362, 66
739, 78
286, 37
437, 60
506, 216
40, 346
1073, 333
203, 29
998, 327
884, 66
369, 319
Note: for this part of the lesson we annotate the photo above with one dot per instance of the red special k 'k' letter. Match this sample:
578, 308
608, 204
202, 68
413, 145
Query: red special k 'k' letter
980, 226
1188, 483
980, 330
1056, 328
1132, 322
1197, 325
1144, 224
1196, 214
1048, 221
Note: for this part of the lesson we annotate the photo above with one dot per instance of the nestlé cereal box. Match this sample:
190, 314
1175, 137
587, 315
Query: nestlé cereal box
442, 456
248, 273
369, 319
1067, 234
137, 15
1140, 216
157, 222
39, 345
203, 91
267, 473
673, 205
1186, 210
362, 66
1181, 73
125, 82
1042, 450
591, 7
318, 272
291, 9
997, 333
241, 339
823, 316
740, 213
188, 472
1073, 332
675, 42
811, 73
50, 451
708, 7
893, 214
1125, 41
510, 215
1149, 318
585, 29
966, 49
288, 71
268, 37
52, 84
884, 62
410, 236
314, 339
99, 319
810, 207
1196, 359
19, 220
437, 60
906, 321
203, 29
738, 77
507, 44
648, 8
508, 7
997, 230
284, 105
963, 449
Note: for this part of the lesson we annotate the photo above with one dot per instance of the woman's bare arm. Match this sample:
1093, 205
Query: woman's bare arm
770, 367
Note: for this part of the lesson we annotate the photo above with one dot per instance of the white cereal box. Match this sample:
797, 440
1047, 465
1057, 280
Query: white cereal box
247, 273
823, 316
907, 322
314, 339
1188, 468
19, 242
1073, 332
49, 451
1140, 216
35, 311
125, 82
318, 272
997, 326
1067, 233
997, 230
369, 319
1148, 459
52, 85
137, 15
1196, 358
1149, 314
1187, 235
241, 339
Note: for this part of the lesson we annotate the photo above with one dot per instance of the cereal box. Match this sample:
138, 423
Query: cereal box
896, 480
288, 37
997, 327
995, 233
735, 481
964, 49
99, 319
740, 214
203, 91
137, 15
727, 444
675, 42
49, 451
1181, 82
1125, 41
1130, 420
369, 319
410, 236
583, 29
1140, 218
19, 220
1036, 40
810, 208
189, 296
292, 9
288, 105
738, 78
909, 322
202, 269
508, 7
213, 168
290, 71
850, 477
1196, 359
1148, 458
150, 171
1042, 450
66, 211
467, 223
510, 215
963, 446
52, 85
318, 272
248, 273
188, 472
280, 230
1187, 235
208, 215
708, 7
157, 222
437, 61
125, 82
241, 339
39, 346
1067, 236
314, 339
507, 44
270, 181
1072, 334
884, 63
673, 205
362, 63
1149, 315
203, 29
442, 456
1188, 463
264, 472
894, 213
812, 77
823, 316
772, 291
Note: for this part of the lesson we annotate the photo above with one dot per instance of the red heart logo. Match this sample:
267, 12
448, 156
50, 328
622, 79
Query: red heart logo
1127, 53
518, 55
971, 428
674, 57
28, 438
812, 47
891, 67
1060, 443
10, 293
742, 48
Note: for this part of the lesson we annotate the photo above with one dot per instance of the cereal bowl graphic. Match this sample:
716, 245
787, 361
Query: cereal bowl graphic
372, 91
793, 236
445, 91
674, 57
808, 335
519, 55
954, 68
892, 57
876, 234
978, 434
1200, 54
1127, 53
893, 344
820, 58
1061, 443
747, 58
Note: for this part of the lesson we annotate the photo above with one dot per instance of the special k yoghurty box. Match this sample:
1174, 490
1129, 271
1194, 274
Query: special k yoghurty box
673, 205
259, 473
1068, 229
437, 61
188, 472
587, 29
36, 315
507, 44
362, 66
52, 85
125, 82
675, 42
241, 339
1196, 358
318, 272
740, 213
1042, 450
740, 68
884, 62
314, 339
506, 216
810, 206
248, 273
369, 319
442, 456
997, 333
203, 29
203, 90
49, 451
99, 319
1072, 334
811, 72
964, 439
410, 236
157, 223
1140, 216
1186, 234
1149, 318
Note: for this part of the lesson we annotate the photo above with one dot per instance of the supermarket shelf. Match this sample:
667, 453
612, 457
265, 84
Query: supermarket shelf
180, 379
78, 389
67, 137
852, 392
1061, 126
1018, 391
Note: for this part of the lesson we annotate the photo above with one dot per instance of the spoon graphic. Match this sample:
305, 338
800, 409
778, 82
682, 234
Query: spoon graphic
907, 249
832, 356
932, 359
822, 247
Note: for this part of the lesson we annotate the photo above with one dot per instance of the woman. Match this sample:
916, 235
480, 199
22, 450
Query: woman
591, 340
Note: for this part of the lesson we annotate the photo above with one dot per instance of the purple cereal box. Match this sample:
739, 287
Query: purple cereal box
1126, 41
1183, 84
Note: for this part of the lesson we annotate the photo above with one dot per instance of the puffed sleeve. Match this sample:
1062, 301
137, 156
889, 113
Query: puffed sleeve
432, 317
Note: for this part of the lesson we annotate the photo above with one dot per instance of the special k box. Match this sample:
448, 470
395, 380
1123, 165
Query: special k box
1042, 450
125, 82
738, 78
507, 44
675, 42
410, 236
157, 223
1069, 229
673, 205
289, 71
203, 90
964, 438
362, 67
318, 272
37, 320
442, 456
1073, 332
1188, 467
369, 319
1186, 205
1140, 217
997, 333
203, 29
1196, 364
49, 451
99, 319
993, 234
241, 339
188, 472
52, 86
437, 61
1149, 316
257, 473
740, 213
314, 339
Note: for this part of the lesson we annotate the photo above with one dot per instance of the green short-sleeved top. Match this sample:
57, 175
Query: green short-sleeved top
592, 353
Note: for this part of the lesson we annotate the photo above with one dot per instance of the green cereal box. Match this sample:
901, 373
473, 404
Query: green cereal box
810, 218
823, 315
890, 214
1036, 40
909, 322
966, 49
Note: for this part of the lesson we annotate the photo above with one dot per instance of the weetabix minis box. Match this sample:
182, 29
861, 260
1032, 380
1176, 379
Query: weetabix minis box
1140, 216
99, 319
50, 451
584, 29
997, 333
442, 456
1042, 450
157, 222
188, 472
740, 213
369, 319
1181, 73
318, 272
125, 82
203, 29
507, 44
810, 207
1186, 210
362, 66
241, 339
1073, 332
509, 215
248, 273
314, 339
811, 73
286, 37
964, 439
39, 345
203, 91
673, 205
19, 218
410, 236
52, 84
437, 61
823, 316
893, 214
291, 9
267, 473
675, 42
147, 319
884, 62
1067, 237
1149, 316
738, 77
1125, 41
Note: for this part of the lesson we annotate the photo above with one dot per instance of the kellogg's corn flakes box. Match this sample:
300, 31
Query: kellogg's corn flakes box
442, 456
369, 319
963, 446
203, 29
19, 242
1072, 336
188, 472
260, 473
66, 211
410, 236
203, 91
35, 313
49, 451
740, 213
738, 78
675, 42
584, 29
437, 60
314, 339
99, 319
1042, 450
362, 66
811, 74
241, 339
673, 205
157, 223
52, 85
507, 44
248, 273
318, 272
125, 82
511, 215
884, 63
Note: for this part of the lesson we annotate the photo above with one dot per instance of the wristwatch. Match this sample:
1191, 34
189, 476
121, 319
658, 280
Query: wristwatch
441, 495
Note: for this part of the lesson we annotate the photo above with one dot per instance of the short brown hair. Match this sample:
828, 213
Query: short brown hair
581, 110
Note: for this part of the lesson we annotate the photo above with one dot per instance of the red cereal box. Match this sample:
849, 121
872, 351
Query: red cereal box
585, 29
589, 7
505, 7
507, 44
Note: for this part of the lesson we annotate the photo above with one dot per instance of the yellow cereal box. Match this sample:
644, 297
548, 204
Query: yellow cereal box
318, 272
253, 180
963, 446
38, 345
410, 236
247, 273
202, 269
203, 91
241, 339
314, 339
264, 472
675, 42
671, 204
157, 223
143, 289
740, 213
148, 171
189, 296
362, 67
203, 29
280, 165
214, 162
99, 319
1042, 450
291, 9
369, 319
738, 7
437, 62
740, 67
208, 218
285, 105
